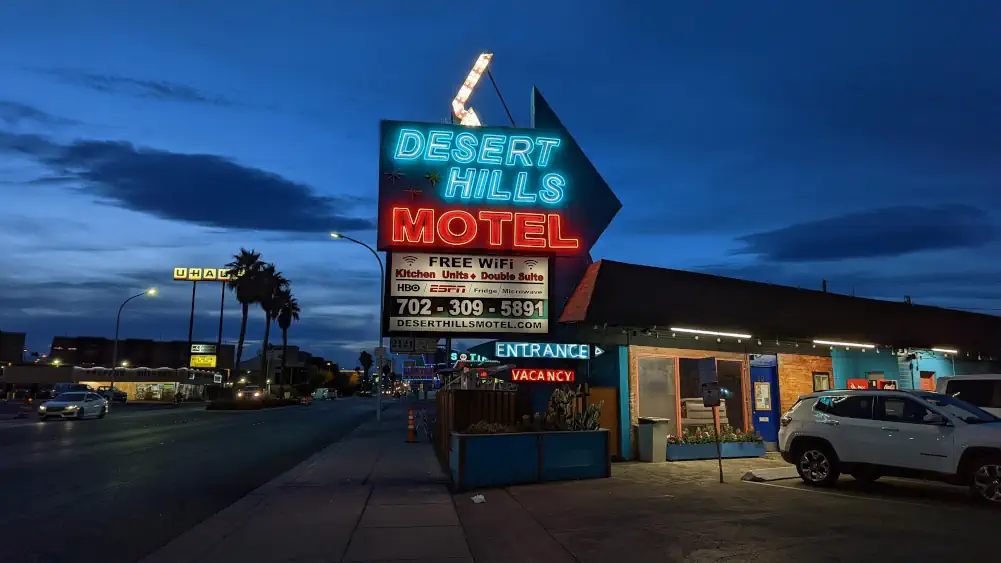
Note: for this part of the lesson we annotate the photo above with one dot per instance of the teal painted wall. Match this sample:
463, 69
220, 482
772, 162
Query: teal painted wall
930, 361
854, 364
625, 416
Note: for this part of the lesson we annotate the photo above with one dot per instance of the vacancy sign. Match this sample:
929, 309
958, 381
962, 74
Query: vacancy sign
542, 375
463, 293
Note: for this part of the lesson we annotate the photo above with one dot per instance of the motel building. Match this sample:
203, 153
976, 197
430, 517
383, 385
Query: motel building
771, 344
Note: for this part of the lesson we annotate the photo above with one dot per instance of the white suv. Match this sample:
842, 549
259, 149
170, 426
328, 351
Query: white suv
916, 434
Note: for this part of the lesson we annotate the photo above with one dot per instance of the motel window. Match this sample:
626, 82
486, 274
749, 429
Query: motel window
874, 375
821, 381
657, 396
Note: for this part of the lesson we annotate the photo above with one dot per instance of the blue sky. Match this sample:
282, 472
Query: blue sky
776, 141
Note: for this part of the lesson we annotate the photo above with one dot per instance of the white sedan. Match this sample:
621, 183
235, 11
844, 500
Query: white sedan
75, 404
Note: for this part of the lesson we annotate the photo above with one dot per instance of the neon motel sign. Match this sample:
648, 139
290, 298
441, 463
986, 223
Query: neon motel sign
543, 375
483, 188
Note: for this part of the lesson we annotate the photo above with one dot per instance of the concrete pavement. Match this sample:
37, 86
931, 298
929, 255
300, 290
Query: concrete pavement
133, 483
680, 513
370, 497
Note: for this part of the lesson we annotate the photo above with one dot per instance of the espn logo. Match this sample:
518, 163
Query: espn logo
445, 288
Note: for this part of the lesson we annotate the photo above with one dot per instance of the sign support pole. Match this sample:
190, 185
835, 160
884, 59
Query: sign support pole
719, 453
222, 307
191, 323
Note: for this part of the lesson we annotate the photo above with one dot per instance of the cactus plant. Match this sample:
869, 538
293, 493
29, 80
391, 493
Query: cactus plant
562, 413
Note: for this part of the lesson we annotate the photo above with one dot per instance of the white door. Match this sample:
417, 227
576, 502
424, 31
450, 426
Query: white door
846, 421
909, 438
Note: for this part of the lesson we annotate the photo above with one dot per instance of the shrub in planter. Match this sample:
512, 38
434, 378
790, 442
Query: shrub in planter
705, 435
700, 443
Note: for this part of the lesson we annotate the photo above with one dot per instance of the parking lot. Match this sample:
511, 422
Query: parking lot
680, 512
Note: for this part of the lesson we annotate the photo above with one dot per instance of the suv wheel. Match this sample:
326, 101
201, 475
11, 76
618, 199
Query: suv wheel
817, 465
985, 482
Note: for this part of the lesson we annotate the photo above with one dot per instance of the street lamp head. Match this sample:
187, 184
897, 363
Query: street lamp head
125, 364
335, 235
151, 291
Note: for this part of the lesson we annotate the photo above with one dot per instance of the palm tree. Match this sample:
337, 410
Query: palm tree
365, 359
243, 272
271, 284
288, 312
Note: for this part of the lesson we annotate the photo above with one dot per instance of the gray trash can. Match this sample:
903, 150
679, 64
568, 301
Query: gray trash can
652, 434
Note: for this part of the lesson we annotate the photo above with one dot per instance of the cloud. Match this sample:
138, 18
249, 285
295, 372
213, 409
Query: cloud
13, 114
202, 189
155, 89
888, 231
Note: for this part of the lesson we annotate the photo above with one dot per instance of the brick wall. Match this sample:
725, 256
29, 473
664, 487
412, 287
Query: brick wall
796, 376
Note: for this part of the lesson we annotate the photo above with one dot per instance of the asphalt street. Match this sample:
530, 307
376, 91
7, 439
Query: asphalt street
115, 489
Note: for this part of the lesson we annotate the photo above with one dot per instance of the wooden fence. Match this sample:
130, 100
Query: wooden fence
457, 409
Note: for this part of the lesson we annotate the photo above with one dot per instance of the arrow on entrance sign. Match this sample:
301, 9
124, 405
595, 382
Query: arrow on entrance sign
594, 205
546, 350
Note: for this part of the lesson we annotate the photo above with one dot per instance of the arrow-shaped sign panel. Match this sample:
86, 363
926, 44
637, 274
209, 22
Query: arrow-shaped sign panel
489, 188
546, 350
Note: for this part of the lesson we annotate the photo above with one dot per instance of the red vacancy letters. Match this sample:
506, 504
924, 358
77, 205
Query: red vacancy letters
543, 375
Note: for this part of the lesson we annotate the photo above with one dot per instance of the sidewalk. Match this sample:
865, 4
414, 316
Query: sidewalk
370, 497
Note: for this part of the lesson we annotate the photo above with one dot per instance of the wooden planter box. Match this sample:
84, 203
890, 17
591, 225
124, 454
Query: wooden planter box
687, 452
497, 460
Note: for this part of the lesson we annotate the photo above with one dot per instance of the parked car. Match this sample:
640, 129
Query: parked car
60, 388
75, 404
322, 394
113, 394
306, 400
982, 390
914, 434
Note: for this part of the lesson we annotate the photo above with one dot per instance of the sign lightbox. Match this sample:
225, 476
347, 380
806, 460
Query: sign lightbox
542, 375
468, 294
528, 191
546, 350
201, 274
203, 361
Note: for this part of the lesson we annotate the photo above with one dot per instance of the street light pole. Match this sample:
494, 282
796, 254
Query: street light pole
382, 285
114, 354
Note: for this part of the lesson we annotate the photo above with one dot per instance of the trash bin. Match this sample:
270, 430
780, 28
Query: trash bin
652, 433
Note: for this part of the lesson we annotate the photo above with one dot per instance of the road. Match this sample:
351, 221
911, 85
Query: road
115, 489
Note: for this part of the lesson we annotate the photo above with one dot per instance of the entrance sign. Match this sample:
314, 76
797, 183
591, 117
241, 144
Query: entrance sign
546, 350
462, 293
543, 375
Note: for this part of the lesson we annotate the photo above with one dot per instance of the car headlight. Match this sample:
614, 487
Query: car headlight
41, 408
72, 407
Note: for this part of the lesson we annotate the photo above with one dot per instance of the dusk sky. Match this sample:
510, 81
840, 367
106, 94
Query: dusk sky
787, 142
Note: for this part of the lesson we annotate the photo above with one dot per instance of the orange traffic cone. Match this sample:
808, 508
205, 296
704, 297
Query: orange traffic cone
411, 430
